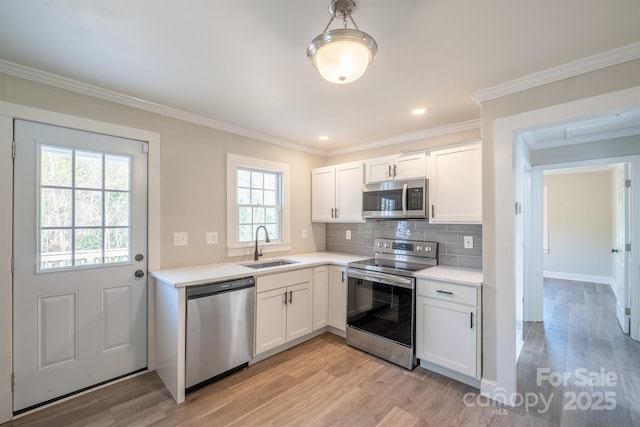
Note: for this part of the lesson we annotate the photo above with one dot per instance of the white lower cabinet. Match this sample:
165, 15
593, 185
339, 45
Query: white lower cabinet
338, 297
448, 326
320, 297
283, 308
330, 297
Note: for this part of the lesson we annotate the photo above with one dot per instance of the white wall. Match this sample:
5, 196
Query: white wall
580, 226
193, 171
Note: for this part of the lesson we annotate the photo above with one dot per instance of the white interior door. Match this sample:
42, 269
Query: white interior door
618, 252
79, 245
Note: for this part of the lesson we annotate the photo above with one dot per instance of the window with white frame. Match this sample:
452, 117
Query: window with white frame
258, 202
257, 194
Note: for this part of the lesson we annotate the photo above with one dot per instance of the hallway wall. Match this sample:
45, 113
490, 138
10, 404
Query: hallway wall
580, 226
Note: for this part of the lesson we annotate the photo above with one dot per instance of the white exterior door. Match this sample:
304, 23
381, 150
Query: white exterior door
79, 245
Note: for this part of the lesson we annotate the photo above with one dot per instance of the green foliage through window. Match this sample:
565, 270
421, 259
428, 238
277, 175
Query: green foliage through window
84, 208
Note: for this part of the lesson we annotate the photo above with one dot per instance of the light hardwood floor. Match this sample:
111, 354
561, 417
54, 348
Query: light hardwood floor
323, 382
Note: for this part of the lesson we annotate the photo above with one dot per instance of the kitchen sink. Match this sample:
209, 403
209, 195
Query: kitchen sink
271, 263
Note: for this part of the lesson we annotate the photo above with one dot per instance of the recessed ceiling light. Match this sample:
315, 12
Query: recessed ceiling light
418, 111
323, 138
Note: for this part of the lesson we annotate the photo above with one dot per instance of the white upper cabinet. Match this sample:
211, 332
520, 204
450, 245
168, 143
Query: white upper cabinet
336, 193
455, 184
395, 167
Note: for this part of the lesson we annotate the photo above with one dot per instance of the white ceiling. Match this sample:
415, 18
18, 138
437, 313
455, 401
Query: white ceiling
241, 64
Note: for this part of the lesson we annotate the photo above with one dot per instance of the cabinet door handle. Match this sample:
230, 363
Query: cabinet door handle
433, 211
471, 321
444, 292
290, 297
285, 297
390, 171
395, 170
336, 212
332, 213
343, 277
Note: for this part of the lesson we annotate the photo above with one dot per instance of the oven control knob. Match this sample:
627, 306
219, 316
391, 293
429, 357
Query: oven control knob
380, 244
387, 245
418, 248
427, 248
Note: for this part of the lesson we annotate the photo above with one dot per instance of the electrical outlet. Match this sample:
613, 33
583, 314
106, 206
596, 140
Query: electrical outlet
304, 233
212, 237
180, 239
468, 242
348, 235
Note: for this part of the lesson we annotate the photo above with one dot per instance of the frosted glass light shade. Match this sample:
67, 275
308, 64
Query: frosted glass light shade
342, 56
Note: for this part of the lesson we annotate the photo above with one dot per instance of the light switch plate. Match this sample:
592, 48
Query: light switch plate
212, 237
468, 242
180, 239
304, 233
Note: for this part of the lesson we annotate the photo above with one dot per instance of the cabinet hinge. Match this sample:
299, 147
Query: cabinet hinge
145, 148
627, 183
627, 311
627, 247
13, 149
13, 266
518, 209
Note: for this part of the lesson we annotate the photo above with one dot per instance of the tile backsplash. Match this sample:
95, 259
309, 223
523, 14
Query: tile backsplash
450, 237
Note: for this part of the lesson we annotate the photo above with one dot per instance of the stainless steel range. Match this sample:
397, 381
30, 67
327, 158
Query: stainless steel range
381, 297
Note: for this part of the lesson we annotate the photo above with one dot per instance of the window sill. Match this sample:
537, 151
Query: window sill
266, 248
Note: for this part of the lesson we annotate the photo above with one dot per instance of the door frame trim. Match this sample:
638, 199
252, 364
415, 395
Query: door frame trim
9, 112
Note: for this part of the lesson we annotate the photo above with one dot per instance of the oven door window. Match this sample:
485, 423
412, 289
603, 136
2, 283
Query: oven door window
381, 309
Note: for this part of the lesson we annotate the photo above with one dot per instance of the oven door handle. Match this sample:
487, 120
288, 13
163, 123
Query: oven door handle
401, 282
405, 189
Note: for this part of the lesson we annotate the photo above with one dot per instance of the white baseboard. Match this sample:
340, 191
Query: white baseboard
579, 277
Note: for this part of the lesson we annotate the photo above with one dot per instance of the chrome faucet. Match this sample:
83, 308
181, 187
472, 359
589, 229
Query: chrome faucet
257, 254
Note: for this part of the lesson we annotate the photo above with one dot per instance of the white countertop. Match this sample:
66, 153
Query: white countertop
200, 274
463, 276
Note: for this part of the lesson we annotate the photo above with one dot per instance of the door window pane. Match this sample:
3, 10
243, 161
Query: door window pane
85, 208
55, 166
55, 207
117, 208
88, 208
117, 245
55, 248
116, 172
88, 172
89, 245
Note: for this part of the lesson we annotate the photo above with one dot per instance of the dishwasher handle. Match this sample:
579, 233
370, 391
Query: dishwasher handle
208, 289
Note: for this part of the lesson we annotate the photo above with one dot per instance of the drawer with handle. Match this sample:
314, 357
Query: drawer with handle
448, 291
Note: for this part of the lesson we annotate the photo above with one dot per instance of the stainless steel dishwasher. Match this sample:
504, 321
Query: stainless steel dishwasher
219, 330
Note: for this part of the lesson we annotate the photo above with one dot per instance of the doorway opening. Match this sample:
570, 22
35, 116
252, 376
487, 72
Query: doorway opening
581, 328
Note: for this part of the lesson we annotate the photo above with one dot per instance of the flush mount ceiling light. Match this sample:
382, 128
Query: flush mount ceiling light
342, 55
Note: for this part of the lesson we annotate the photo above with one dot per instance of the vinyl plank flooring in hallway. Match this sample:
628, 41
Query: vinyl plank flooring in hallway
579, 359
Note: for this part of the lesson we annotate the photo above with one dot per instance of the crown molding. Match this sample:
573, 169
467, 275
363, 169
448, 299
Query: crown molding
551, 75
60, 82
408, 137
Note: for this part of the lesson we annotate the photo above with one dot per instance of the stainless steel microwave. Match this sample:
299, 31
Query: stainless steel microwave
395, 199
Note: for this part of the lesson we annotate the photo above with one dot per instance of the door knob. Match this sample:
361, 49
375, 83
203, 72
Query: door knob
139, 273
139, 257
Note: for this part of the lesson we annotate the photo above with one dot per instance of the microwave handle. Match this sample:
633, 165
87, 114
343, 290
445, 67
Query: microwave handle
405, 188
